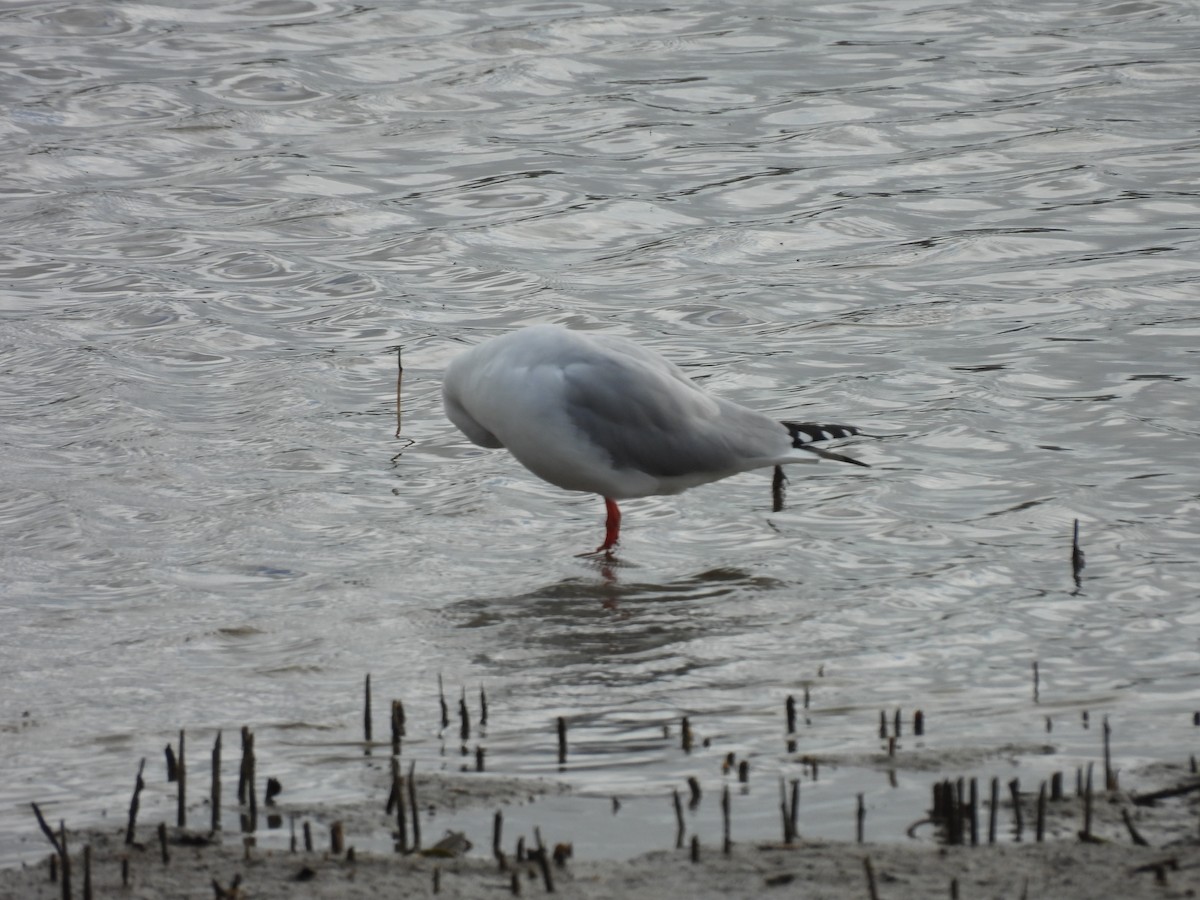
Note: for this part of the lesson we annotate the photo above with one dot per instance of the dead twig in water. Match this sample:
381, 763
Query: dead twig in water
1076, 557
399, 382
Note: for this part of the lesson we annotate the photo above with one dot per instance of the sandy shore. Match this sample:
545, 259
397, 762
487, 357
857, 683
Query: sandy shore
1062, 868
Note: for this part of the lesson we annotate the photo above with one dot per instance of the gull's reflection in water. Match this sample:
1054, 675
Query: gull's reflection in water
608, 616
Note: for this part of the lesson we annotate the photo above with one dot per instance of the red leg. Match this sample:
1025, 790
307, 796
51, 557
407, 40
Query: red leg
612, 526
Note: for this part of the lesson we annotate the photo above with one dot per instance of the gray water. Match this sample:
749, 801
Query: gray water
970, 228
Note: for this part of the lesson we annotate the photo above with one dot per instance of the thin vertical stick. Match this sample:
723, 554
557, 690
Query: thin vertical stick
87, 872
251, 775
412, 800
872, 891
686, 735
860, 817
397, 797
181, 795
442, 701
695, 848
679, 825
1110, 777
482, 707
215, 793
397, 726
784, 812
543, 861
497, 833
66, 859
790, 709
795, 810
1036, 681
562, 740
464, 718
1076, 557
1041, 813
367, 711
1086, 834
1014, 788
399, 382
993, 810
133, 804
241, 790
974, 812
725, 816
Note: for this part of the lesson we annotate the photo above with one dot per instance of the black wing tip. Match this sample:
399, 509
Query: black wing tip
805, 434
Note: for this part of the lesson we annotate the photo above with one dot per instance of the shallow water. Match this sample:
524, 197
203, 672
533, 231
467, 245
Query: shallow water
969, 228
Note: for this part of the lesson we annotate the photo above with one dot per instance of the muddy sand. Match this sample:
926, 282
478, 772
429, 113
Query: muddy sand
1064, 867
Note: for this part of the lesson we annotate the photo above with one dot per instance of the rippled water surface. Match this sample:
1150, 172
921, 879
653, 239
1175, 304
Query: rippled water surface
971, 228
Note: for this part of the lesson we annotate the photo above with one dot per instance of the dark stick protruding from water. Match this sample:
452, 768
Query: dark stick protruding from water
694, 787
727, 845
695, 848
162, 843
1110, 776
883, 732
744, 772
860, 817
497, 833
412, 803
59, 843
918, 723
1036, 682
1076, 557
686, 735
337, 838
561, 725
482, 707
87, 872
543, 861
778, 489
973, 811
464, 718
680, 829
787, 810
1041, 814
1014, 789
215, 790
442, 702
181, 783
396, 798
399, 382
397, 726
308, 839
992, 811
1086, 834
133, 804
790, 708
367, 712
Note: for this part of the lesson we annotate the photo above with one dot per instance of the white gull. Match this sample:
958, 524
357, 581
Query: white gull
598, 413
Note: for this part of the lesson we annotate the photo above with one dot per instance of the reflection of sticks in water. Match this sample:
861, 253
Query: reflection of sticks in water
1076, 556
399, 381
